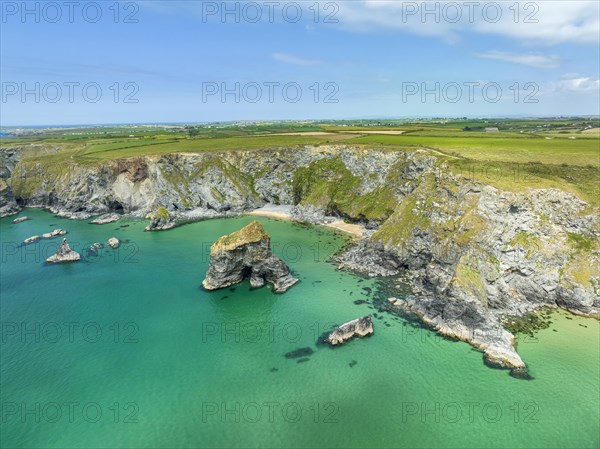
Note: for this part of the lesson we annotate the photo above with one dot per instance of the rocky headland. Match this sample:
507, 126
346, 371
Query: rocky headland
473, 255
247, 254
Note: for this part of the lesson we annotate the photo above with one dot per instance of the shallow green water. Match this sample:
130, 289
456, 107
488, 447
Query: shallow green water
175, 366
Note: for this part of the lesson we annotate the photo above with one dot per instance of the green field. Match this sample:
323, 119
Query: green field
524, 154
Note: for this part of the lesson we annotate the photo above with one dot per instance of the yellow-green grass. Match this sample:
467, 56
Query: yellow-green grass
103, 152
581, 151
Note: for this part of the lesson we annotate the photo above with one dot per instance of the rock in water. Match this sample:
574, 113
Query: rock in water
246, 253
113, 242
20, 219
360, 327
106, 218
64, 254
161, 220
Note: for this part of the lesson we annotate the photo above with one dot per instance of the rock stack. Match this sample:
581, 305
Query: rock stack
247, 253
64, 254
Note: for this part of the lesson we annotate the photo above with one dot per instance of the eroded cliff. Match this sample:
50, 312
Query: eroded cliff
473, 254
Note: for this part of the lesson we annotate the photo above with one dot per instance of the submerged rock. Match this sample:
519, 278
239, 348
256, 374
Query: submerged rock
64, 254
247, 253
20, 219
113, 242
299, 353
360, 327
106, 218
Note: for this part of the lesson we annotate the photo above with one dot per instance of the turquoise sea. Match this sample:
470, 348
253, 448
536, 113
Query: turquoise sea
125, 350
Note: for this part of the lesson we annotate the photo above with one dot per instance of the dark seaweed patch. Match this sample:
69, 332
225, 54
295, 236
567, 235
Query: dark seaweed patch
300, 352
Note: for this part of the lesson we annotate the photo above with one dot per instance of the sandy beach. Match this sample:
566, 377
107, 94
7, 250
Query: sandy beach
284, 213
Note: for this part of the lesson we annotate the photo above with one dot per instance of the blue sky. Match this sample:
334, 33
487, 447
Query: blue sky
375, 60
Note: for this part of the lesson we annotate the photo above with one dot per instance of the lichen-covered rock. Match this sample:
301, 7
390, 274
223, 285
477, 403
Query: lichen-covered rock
247, 253
161, 220
64, 254
8, 203
361, 327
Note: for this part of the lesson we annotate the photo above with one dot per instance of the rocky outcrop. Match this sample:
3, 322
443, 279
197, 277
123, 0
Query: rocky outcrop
247, 254
457, 241
32, 239
477, 255
106, 218
20, 219
55, 233
361, 327
467, 321
64, 254
8, 203
160, 220
113, 242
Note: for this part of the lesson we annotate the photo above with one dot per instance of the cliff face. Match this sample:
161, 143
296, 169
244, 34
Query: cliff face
475, 254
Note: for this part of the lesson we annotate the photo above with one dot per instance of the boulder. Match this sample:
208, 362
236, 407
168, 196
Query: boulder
247, 253
64, 254
161, 220
106, 218
113, 242
360, 327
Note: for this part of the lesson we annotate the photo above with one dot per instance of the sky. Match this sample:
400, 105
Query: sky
191, 61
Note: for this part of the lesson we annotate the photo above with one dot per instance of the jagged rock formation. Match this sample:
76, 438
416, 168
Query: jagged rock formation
106, 218
161, 220
361, 327
458, 241
247, 253
8, 204
64, 254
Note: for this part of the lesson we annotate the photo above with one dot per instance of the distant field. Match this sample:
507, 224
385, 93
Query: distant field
524, 154
581, 151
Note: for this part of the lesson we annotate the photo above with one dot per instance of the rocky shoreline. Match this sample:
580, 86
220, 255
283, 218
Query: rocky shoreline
471, 254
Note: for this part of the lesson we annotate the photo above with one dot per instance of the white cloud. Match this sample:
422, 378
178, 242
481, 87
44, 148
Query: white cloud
539, 61
581, 84
545, 22
294, 60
